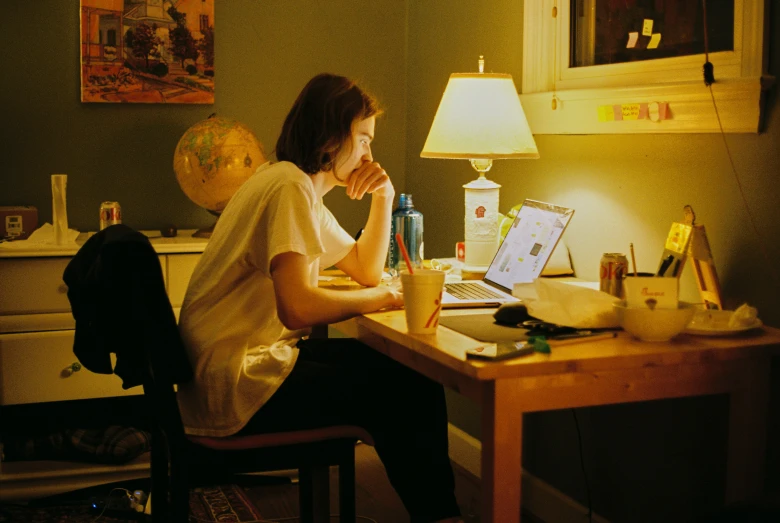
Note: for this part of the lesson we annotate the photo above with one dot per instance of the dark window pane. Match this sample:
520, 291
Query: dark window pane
619, 31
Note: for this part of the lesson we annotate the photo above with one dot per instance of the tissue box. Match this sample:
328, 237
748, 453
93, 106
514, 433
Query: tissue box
17, 223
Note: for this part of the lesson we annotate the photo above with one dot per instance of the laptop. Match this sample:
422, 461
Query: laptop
522, 256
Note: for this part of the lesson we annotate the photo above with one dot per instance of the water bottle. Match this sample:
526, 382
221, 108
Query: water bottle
407, 221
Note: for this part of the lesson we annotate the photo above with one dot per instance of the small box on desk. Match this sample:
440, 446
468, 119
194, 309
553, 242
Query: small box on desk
18, 222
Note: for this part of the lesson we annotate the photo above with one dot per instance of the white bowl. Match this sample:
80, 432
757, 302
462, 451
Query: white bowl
654, 324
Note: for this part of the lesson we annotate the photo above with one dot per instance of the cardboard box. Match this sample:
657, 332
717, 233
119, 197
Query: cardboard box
17, 223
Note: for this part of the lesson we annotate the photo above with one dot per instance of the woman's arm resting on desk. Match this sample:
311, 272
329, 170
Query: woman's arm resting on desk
366, 261
300, 305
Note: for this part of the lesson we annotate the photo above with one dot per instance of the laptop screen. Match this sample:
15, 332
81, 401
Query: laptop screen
528, 244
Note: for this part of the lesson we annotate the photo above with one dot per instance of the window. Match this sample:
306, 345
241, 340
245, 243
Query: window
588, 63
204, 23
111, 37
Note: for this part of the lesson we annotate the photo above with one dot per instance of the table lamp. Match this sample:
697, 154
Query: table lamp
480, 119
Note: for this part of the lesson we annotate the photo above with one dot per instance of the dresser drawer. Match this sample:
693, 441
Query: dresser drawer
32, 369
179, 271
33, 286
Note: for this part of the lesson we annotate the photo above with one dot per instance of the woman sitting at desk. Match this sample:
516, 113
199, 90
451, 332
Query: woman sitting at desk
253, 299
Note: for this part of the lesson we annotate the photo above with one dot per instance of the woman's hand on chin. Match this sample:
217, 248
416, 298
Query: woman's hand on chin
370, 178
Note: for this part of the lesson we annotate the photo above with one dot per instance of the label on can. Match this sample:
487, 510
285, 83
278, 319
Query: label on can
110, 214
460, 251
612, 270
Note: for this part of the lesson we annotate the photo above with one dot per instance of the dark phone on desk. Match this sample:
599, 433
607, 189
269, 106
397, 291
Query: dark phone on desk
505, 350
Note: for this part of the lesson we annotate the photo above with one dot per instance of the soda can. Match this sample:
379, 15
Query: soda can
613, 269
110, 214
460, 251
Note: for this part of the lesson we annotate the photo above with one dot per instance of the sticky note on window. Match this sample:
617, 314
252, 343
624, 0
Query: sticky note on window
647, 27
606, 113
630, 111
632, 38
654, 41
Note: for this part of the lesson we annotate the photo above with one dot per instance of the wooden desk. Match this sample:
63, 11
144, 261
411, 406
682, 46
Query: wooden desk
619, 370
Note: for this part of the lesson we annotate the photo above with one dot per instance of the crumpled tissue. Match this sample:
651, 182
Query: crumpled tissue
570, 305
43, 238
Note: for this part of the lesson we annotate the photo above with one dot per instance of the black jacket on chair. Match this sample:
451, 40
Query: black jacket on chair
118, 299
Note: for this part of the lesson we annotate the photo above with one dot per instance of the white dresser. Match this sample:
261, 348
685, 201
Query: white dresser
37, 364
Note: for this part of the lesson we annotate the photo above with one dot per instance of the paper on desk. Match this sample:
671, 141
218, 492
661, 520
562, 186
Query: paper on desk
43, 238
570, 305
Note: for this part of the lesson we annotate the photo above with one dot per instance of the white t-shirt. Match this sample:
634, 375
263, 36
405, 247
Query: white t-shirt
239, 349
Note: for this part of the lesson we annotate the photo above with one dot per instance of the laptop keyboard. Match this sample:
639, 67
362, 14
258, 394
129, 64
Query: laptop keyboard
471, 291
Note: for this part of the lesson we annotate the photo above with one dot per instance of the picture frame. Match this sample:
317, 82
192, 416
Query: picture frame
147, 51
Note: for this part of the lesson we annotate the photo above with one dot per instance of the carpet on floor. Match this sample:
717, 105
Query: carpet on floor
222, 503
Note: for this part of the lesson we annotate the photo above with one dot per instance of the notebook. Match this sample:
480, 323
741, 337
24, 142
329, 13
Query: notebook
526, 248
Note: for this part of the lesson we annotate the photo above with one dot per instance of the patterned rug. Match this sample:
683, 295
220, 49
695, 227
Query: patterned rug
221, 504
225, 504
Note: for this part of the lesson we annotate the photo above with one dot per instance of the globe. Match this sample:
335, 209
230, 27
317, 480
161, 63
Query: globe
212, 159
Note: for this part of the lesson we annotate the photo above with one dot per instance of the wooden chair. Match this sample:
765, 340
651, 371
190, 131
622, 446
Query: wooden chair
119, 266
174, 455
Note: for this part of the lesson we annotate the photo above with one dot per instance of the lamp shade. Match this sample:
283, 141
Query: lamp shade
480, 117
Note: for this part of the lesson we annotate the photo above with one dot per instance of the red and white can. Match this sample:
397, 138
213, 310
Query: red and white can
460, 251
613, 269
110, 214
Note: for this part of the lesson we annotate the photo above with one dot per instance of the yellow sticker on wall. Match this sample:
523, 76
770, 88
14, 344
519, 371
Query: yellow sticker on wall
647, 27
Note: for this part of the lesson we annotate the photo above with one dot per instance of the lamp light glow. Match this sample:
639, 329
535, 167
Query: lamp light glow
480, 119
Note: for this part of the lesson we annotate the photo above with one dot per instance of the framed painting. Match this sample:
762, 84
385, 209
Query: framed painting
147, 51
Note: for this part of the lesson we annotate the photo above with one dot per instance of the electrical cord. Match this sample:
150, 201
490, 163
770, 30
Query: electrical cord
105, 505
582, 465
709, 79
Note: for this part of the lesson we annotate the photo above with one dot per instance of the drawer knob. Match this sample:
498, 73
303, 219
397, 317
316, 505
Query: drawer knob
62, 289
70, 369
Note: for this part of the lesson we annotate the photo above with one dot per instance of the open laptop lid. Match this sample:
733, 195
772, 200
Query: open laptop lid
528, 244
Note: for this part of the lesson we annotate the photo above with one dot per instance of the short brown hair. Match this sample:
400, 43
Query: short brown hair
320, 122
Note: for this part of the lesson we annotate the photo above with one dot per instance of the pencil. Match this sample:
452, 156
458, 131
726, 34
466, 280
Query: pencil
587, 337
633, 258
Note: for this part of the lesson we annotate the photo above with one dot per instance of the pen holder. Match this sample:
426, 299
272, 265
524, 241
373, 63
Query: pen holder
59, 183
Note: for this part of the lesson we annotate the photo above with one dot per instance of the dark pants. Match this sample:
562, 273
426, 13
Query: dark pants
341, 381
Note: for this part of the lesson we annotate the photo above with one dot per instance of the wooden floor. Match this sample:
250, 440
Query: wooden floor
375, 499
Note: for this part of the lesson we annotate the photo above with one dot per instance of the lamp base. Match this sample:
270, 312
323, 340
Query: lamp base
479, 253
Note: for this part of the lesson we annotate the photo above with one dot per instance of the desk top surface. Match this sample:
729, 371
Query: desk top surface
448, 348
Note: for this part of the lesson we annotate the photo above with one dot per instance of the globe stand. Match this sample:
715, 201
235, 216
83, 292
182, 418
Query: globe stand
206, 231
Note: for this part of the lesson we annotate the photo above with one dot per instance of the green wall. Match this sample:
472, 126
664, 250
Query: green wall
266, 50
654, 461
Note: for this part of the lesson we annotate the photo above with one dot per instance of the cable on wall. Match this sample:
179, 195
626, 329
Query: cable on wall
709, 79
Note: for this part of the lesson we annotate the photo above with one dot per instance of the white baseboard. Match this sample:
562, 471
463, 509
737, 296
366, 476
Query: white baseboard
539, 498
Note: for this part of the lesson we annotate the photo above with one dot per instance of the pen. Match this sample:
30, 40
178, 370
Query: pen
665, 264
574, 338
676, 268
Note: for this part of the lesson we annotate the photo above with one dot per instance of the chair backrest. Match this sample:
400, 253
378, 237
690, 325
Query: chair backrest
118, 298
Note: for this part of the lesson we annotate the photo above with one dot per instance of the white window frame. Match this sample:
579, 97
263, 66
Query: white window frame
558, 99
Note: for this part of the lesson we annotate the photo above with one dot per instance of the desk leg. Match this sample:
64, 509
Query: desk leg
748, 411
502, 433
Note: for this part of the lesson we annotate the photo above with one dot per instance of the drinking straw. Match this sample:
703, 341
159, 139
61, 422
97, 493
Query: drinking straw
403, 251
633, 258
